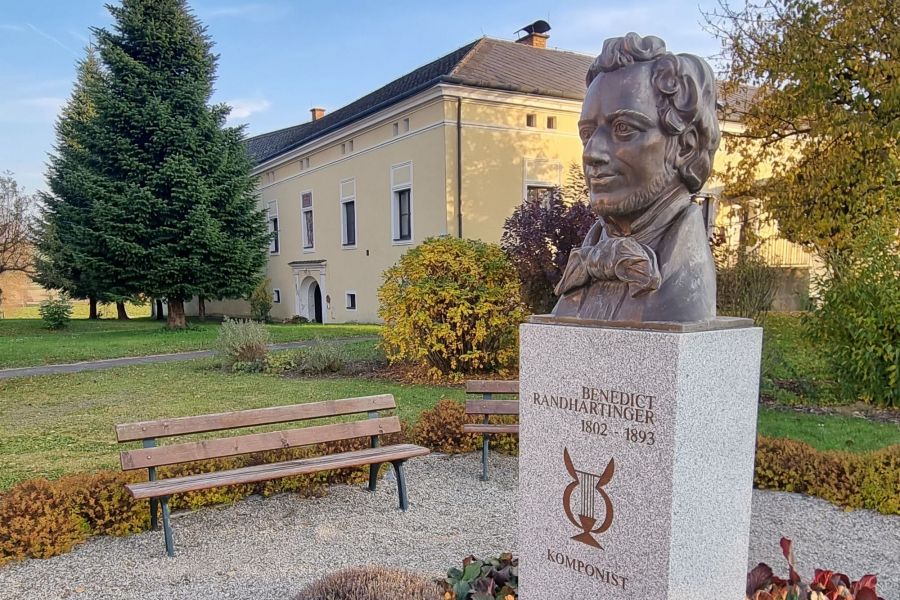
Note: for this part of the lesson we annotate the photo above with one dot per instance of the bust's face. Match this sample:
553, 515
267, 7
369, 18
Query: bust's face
626, 164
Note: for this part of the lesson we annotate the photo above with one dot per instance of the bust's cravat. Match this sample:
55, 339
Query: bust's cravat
609, 253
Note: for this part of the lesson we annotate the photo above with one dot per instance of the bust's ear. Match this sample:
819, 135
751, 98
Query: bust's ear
691, 161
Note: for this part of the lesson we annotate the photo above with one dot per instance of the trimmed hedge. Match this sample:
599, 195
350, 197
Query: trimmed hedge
40, 518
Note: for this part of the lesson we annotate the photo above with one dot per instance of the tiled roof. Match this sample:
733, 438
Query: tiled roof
485, 63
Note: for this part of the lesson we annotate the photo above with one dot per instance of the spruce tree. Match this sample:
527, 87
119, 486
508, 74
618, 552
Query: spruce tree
68, 256
176, 204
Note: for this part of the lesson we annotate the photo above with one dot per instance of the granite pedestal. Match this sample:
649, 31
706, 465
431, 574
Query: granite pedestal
636, 460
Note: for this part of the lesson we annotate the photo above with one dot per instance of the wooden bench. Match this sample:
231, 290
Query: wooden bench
152, 456
486, 407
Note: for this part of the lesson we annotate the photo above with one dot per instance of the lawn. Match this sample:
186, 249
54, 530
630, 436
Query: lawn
59, 424
26, 342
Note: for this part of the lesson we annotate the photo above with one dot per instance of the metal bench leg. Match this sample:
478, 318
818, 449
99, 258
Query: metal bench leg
401, 484
154, 510
373, 475
485, 449
167, 526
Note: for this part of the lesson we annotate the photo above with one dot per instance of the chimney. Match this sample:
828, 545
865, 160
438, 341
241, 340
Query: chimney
536, 34
536, 40
317, 113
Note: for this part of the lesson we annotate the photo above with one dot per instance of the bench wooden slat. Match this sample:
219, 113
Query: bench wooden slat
127, 432
491, 428
258, 442
492, 407
175, 485
479, 386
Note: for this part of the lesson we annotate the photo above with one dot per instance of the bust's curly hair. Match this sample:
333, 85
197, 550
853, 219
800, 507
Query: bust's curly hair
686, 102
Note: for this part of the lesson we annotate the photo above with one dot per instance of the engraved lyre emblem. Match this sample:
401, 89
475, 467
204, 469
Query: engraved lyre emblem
586, 503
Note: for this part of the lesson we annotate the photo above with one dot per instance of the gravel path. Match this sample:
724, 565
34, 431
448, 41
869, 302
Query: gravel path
268, 549
109, 363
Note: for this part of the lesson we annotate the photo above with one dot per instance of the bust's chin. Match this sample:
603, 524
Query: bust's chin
636, 202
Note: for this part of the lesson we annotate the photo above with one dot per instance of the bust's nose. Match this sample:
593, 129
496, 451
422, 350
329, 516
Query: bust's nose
596, 151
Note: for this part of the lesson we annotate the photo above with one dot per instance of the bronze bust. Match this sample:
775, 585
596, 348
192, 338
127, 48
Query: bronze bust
649, 129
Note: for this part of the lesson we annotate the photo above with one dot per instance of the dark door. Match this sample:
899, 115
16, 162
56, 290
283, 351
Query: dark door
318, 304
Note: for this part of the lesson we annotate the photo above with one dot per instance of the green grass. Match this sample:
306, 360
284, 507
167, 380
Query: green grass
828, 432
59, 424
26, 342
794, 367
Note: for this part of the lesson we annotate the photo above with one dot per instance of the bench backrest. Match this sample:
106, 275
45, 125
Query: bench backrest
488, 389
153, 456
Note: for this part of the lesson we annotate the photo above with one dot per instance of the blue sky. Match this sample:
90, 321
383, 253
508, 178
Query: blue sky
279, 58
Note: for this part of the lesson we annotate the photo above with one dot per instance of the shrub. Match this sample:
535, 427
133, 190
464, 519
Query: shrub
539, 235
441, 428
323, 356
745, 285
868, 480
283, 361
372, 583
858, 320
490, 579
56, 311
261, 300
762, 584
37, 520
243, 344
453, 305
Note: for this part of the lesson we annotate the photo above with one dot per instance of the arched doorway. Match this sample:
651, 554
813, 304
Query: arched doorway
315, 302
310, 303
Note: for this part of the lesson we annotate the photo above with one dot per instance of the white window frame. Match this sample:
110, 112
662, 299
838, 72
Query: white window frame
303, 211
347, 295
406, 125
345, 200
395, 205
396, 128
276, 296
274, 227
552, 122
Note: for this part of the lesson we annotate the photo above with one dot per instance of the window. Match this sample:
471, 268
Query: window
306, 163
351, 300
306, 206
551, 122
405, 125
347, 147
276, 296
401, 204
348, 212
403, 231
541, 193
396, 129
531, 120
273, 226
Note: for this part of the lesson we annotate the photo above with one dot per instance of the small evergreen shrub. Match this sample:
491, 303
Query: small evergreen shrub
324, 356
243, 344
372, 583
283, 361
56, 311
452, 305
261, 301
858, 320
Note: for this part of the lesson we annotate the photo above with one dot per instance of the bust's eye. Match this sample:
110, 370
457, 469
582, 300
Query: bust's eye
586, 133
623, 129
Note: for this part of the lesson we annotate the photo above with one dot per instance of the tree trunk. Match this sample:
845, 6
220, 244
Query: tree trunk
92, 315
159, 310
120, 311
201, 308
176, 315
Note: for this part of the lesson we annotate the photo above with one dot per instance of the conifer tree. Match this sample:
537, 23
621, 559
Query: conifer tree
176, 205
67, 256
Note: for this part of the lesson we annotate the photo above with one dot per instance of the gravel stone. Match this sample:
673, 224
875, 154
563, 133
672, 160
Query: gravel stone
269, 549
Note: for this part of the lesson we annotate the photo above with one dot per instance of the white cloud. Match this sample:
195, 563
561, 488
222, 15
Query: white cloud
241, 108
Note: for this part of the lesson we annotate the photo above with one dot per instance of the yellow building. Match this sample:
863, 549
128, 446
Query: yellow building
451, 148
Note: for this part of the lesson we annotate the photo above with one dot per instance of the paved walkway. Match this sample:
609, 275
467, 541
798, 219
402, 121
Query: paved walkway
109, 363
